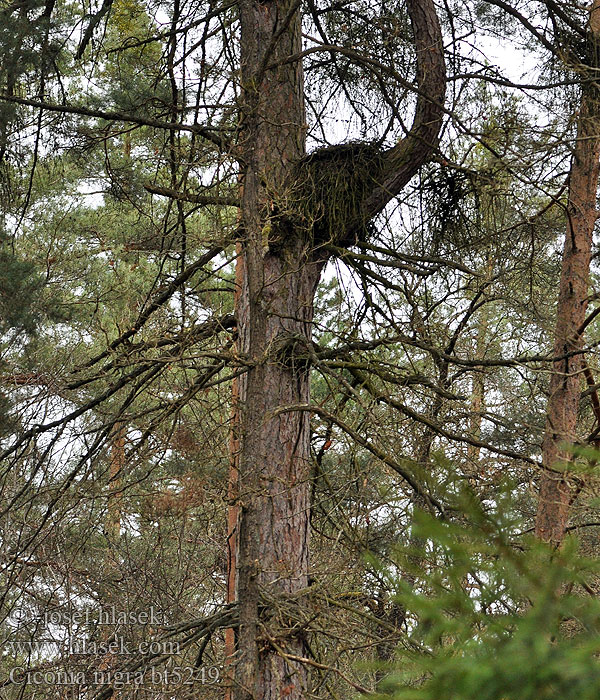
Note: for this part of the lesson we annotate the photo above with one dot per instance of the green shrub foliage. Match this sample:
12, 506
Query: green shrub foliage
492, 614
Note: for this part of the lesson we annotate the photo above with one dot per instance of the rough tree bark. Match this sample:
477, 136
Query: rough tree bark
274, 315
115, 473
556, 492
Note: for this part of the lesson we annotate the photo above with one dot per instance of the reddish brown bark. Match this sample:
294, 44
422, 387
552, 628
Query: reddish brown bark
275, 298
233, 509
274, 313
232, 517
115, 473
556, 492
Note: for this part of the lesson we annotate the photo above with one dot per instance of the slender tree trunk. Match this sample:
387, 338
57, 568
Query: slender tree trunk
115, 473
232, 517
478, 387
477, 406
556, 492
232, 493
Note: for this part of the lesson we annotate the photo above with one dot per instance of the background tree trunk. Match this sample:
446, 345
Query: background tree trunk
556, 492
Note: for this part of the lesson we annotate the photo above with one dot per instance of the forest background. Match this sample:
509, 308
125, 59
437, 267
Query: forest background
298, 351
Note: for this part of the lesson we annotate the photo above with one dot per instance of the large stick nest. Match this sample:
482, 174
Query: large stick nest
325, 202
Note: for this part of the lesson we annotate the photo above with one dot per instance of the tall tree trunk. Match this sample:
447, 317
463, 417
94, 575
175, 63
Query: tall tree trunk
556, 492
115, 474
478, 384
232, 517
274, 314
232, 493
275, 303
477, 398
